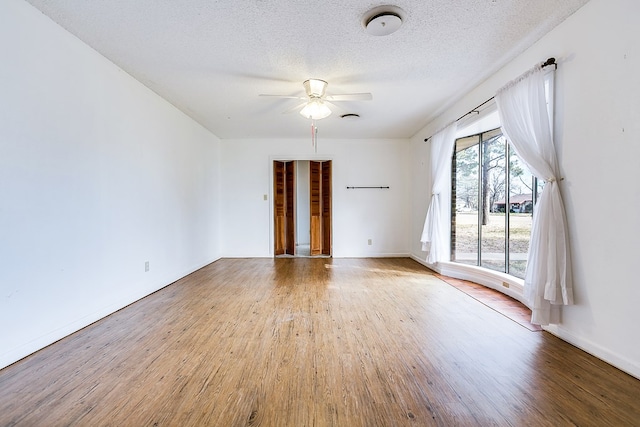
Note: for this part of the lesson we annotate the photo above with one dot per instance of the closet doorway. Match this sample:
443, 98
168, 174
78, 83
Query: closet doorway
302, 207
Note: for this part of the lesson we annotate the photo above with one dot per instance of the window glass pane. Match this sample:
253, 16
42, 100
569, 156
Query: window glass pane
521, 185
464, 239
493, 177
493, 202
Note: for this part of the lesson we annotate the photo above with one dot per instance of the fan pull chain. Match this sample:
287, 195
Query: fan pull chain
314, 136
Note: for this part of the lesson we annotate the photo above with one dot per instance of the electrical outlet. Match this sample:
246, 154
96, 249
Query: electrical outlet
265, 197
146, 266
369, 242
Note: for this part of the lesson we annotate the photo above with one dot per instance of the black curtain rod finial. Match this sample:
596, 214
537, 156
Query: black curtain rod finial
550, 61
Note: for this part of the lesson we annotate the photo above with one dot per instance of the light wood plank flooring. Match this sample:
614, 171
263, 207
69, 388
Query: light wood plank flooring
313, 342
498, 301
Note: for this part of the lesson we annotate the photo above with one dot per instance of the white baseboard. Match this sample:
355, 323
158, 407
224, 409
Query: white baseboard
337, 256
17, 353
494, 280
630, 367
501, 282
375, 255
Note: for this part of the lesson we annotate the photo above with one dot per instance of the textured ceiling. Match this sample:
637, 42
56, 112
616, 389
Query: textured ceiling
212, 58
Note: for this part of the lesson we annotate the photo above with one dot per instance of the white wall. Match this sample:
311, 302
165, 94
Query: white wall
598, 138
420, 191
97, 176
358, 215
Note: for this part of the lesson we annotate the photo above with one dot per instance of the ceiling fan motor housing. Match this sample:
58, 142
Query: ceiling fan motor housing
315, 88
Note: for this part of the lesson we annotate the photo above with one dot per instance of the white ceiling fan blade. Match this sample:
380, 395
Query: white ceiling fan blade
350, 97
283, 96
336, 106
294, 109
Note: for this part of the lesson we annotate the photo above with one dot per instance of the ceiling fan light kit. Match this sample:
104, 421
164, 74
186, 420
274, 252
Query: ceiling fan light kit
383, 20
315, 109
317, 104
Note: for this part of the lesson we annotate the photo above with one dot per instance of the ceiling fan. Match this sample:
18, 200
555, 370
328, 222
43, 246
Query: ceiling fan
316, 105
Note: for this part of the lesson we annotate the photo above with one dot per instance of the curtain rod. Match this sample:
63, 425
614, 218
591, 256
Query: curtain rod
548, 62
355, 188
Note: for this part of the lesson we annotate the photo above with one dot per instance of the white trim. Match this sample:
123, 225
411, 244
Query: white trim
17, 353
375, 255
495, 280
624, 364
483, 276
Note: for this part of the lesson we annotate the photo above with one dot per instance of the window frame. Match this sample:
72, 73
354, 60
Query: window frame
468, 125
481, 139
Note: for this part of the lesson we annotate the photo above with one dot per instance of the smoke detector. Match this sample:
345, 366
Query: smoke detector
383, 20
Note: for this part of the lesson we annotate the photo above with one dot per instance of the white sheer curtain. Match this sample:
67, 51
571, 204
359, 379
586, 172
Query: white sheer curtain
434, 234
525, 122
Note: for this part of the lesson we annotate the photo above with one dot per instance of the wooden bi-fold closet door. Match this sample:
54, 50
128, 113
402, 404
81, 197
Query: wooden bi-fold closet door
284, 207
320, 207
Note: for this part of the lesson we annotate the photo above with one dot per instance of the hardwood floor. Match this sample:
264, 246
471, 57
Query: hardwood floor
498, 301
313, 342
